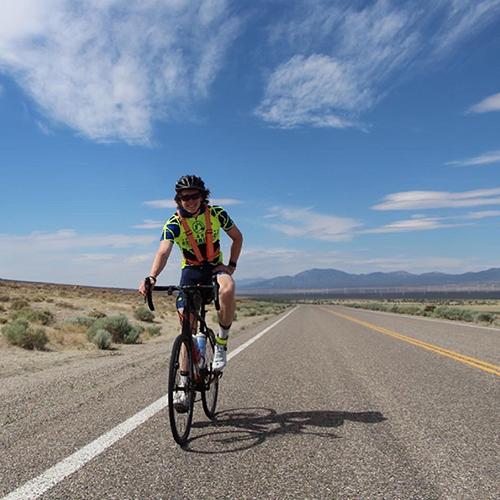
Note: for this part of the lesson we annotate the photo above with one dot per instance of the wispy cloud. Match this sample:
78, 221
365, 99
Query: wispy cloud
482, 214
173, 204
66, 256
416, 200
413, 224
490, 103
305, 223
109, 69
149, 224
68, 239
484, 159
345, 58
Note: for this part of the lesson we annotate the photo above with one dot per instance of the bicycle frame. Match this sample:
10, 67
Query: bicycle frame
200, 377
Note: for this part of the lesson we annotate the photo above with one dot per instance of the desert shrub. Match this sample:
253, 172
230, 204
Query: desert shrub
143, 314
132, 336
43, 317
20, 333
3, 321
485, 317
4, 298
406, 309
153, 331
19, 303
95, 313
453, 313
376, 306
82, 321
102, 339
66, 305
118, 326
428, 309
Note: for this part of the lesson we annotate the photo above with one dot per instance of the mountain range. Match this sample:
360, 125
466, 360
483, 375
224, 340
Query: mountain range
333, 278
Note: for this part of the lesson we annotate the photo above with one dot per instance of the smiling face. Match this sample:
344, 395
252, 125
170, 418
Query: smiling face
190, 200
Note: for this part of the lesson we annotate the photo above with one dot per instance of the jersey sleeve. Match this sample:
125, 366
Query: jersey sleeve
171, 229
225, 221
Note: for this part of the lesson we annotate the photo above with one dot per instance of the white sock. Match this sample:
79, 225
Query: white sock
223, 332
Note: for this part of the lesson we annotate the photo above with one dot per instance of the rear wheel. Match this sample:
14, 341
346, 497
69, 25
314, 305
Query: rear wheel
211, 379
181, 389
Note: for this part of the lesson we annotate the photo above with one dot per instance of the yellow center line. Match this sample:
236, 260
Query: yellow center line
468, 360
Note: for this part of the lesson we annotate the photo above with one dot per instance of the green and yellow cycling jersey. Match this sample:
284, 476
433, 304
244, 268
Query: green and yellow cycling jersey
173, 230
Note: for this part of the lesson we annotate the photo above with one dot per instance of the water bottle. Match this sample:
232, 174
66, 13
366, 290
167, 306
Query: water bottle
201, 340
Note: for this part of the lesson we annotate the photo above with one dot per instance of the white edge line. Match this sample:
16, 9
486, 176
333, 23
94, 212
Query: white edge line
48, 479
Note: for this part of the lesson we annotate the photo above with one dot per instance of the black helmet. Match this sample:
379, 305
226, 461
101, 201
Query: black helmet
190, 182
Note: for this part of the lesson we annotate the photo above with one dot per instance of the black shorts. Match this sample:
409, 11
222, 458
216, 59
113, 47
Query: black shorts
196, 275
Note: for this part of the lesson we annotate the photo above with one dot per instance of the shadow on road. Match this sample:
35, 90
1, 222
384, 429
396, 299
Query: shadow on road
243, 428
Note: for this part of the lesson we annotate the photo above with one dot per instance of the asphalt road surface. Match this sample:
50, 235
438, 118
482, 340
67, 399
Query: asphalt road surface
331, 402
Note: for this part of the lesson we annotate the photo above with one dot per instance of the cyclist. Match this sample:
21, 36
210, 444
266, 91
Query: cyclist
195, 228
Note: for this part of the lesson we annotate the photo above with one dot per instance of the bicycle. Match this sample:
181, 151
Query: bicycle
185, 357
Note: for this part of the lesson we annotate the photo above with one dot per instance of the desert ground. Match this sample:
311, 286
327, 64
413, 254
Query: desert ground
63, 314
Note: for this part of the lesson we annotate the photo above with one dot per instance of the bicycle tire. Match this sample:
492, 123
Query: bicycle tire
210, 390
180, 421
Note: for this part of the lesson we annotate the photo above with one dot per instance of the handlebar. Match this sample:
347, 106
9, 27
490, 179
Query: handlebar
170, 289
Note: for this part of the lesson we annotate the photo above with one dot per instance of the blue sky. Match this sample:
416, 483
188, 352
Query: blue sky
358, 135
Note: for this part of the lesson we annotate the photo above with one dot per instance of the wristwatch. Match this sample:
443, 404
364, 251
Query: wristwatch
232, 264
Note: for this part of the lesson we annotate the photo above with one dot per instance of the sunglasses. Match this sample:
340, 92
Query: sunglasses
189, 197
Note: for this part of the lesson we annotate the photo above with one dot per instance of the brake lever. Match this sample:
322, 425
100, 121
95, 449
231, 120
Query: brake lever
149, 294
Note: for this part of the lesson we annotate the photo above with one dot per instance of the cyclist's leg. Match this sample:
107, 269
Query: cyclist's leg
191, 275
226, 316
226, 299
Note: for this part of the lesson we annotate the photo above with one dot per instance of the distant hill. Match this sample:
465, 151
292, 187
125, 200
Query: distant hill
333, 279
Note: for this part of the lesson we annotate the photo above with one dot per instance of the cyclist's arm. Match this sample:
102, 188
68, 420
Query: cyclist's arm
159, 263
235, 234
161, 257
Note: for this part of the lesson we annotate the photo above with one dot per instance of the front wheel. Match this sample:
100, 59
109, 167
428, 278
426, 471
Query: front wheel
210, 391
181, 389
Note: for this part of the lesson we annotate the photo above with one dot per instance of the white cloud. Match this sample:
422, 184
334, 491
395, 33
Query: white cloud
484, 159
417, 200
66, 256
311, 90
150, 224
225, 201
414, 224
173, 204
346, 58
109, 69
305, 223
482, 214
68, 239
94, 257
490, 103
161, 203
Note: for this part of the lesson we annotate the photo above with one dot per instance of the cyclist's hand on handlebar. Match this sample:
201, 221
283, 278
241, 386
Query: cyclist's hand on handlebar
143, 285
221, 268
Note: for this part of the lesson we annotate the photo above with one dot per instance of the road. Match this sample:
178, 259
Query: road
331, 402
